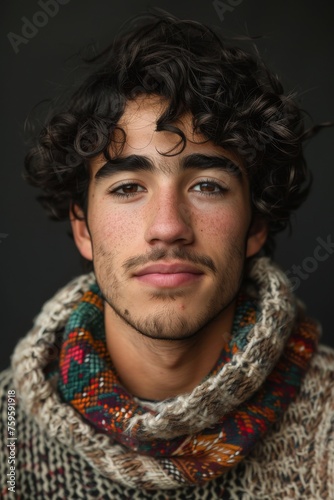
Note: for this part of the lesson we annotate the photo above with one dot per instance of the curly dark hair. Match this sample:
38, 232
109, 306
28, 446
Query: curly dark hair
234, 99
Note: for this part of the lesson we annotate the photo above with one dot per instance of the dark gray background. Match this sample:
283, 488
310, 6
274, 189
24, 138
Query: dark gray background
37, 257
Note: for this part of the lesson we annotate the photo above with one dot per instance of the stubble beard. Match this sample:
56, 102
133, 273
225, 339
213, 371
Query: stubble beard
165, 323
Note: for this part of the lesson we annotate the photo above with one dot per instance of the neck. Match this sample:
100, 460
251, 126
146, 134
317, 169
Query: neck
154, 369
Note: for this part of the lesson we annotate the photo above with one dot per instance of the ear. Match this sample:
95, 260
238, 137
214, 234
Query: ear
81, 233
257, 236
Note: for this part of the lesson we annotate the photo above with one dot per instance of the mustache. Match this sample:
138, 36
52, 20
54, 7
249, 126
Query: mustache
177, 253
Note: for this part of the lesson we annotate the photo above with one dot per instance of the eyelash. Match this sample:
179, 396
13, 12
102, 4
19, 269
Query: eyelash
222, 189
221, 192
114, 192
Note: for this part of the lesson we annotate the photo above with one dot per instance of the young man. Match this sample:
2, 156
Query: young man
182, 366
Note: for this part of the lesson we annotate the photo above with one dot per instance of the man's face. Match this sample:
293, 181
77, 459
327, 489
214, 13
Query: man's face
168, 235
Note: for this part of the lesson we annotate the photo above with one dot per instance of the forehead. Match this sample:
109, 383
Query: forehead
137, 132
139, 122
142, 112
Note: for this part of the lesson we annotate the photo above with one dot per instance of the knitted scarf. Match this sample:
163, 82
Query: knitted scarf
195, 437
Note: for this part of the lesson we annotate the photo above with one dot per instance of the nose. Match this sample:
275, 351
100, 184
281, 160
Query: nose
169, 219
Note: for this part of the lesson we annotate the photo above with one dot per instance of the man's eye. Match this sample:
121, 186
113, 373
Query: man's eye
127, 190
209, 187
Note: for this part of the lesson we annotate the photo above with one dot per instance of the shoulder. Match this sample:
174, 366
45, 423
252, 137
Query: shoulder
318, 386
296, 457
312, 412
324, 357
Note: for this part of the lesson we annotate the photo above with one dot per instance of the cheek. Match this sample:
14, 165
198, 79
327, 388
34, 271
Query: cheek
113, 229
225, 226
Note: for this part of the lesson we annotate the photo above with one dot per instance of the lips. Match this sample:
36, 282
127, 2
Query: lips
165, 275
168, 269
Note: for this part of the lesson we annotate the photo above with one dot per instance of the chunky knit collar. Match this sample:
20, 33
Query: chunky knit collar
219, 421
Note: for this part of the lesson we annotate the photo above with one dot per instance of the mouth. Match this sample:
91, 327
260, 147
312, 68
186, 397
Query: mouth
167, 275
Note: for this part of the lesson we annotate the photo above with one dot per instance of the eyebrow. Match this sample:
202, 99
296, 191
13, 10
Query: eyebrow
132, 163
201, 162
135, 163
